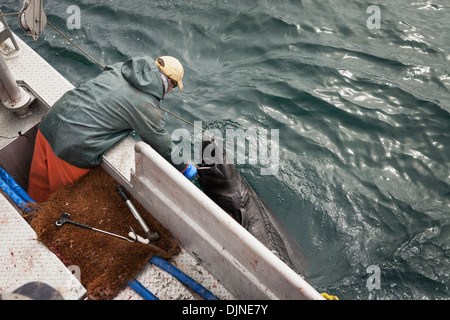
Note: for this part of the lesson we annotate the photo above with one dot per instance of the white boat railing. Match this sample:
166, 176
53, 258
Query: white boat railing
237, 259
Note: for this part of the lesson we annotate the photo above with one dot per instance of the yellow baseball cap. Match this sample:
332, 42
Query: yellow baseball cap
172, 68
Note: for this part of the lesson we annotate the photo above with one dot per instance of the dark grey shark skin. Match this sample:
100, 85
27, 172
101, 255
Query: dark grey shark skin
224, 184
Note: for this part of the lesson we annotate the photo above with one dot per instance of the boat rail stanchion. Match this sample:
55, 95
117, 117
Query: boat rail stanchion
13, 97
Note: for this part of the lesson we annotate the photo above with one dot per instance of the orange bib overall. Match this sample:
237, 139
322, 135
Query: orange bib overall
48, 172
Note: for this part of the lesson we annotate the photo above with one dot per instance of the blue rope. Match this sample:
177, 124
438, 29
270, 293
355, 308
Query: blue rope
10, 192
185, 279
141, 290
14, 186
14, 191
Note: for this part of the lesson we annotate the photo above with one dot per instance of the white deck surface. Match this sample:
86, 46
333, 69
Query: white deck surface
23, 259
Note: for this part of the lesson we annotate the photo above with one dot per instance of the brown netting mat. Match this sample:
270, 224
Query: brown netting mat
107, 263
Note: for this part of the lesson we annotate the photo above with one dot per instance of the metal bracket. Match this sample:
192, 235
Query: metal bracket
33, 19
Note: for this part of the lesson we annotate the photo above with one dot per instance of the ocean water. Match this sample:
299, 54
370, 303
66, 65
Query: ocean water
363, 116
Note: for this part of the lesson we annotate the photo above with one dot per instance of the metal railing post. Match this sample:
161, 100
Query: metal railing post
13, 96
7, 80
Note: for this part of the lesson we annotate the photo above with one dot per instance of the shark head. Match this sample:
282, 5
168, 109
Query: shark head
218, 179
215, 164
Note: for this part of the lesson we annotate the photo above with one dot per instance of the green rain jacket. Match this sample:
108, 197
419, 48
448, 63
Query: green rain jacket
88, 121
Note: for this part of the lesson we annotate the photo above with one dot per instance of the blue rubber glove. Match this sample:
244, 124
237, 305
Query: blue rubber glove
190, 171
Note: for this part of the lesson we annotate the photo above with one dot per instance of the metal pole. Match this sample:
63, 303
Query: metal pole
7, 80
14, 98
6, 32
3, 95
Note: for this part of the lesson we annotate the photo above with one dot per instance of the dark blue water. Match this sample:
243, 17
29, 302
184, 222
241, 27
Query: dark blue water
363, 117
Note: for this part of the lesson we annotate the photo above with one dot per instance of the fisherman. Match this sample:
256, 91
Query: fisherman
89, 120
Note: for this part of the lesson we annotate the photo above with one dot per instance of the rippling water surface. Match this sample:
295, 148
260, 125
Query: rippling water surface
363, 117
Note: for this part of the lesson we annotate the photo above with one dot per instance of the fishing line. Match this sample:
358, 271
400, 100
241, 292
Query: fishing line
72, 42
10, 14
